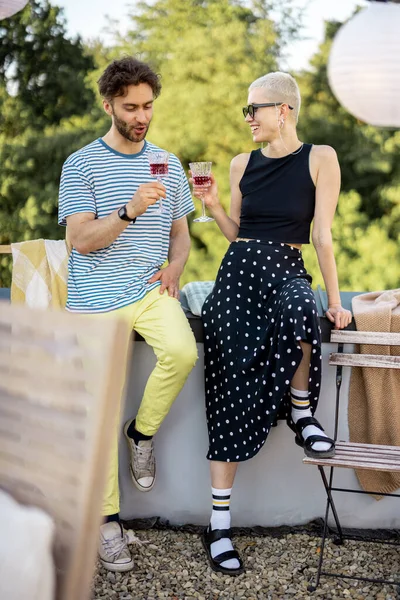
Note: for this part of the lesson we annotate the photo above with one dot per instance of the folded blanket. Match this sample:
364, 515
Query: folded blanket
195, 294
374, 407
40, 273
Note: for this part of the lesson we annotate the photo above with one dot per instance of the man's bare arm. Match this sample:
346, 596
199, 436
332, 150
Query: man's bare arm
87, 234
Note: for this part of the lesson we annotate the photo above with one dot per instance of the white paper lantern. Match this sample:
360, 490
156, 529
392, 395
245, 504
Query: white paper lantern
8, 8
364, 65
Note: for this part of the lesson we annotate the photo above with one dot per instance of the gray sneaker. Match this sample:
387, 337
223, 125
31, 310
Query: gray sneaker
142, 462
113, 548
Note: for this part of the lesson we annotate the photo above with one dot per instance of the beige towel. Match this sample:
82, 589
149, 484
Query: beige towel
374, 398
40, 273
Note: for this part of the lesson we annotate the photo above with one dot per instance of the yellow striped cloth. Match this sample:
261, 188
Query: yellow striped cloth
40, 273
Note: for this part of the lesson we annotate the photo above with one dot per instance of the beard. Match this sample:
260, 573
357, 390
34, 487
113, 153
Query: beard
128, 131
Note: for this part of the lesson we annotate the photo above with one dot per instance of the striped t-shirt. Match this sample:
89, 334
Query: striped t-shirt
99, 180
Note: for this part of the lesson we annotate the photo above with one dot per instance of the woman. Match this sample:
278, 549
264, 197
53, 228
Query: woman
262, 336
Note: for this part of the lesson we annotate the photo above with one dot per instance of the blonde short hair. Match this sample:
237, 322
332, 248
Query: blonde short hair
280, 87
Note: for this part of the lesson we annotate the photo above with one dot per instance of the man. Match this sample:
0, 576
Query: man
110, 204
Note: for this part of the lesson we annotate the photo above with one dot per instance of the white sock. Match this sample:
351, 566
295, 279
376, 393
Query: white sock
301, 408
221, 519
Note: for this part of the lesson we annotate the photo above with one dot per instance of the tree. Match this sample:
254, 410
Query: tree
367, 226
42, 72
208, 52
43, 93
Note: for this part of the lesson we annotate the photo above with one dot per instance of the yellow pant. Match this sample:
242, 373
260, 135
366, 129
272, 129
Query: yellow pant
160, 320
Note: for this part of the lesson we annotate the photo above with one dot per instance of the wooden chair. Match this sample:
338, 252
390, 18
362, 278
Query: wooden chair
61, 377
349, 455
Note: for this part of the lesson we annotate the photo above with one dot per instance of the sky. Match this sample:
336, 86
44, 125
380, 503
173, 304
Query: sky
89, 19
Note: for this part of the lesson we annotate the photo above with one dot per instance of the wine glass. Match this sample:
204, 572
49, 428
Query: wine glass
201, 174
158, 161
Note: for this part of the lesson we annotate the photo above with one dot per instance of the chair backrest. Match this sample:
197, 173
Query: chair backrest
61, 377
369, 338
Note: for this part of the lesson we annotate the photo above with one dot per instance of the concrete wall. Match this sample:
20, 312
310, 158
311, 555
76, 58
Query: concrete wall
274, 488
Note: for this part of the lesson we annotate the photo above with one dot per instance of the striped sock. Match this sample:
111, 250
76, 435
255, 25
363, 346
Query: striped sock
221, 519
300, 404
301, 408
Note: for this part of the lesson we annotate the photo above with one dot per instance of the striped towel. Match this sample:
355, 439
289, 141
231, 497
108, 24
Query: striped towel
40, 273
195, 294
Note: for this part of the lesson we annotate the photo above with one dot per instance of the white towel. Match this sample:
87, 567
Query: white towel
27, 569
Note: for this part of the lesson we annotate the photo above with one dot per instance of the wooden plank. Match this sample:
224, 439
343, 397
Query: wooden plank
377, 447
361, 456
376, 461
337, 462
369, 450
364, 360
365, 337
375, 456
5, 249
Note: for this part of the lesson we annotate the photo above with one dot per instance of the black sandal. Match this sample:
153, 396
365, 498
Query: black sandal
308, 443
213, 535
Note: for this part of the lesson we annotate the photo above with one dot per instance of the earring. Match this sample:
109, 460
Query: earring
281, 123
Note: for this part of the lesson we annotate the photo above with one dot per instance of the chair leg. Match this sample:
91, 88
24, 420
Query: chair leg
327, 486
311, 587
329, 504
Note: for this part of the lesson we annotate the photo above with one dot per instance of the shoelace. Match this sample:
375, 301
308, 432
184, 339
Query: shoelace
144, 459
114, 546
133, 539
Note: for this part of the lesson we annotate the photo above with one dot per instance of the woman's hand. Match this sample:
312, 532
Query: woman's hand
210, 197
338, 315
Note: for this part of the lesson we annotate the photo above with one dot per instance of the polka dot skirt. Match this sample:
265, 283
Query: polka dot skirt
261, 307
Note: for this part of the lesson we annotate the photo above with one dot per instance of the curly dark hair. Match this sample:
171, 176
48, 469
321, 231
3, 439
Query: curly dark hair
127, 71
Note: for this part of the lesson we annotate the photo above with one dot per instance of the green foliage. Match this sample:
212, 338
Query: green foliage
43, 97
43, 71
207, 52
367, 259
366, 228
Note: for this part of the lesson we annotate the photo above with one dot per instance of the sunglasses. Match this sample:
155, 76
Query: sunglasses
251, 108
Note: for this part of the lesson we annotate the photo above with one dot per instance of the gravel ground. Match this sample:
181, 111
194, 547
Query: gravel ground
172, 565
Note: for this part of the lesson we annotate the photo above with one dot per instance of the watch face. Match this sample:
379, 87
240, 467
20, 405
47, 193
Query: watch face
122, 214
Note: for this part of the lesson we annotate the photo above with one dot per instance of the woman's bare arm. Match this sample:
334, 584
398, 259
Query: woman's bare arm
229, 225
326, 199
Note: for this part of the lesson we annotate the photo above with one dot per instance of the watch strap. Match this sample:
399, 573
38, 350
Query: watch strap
122, 213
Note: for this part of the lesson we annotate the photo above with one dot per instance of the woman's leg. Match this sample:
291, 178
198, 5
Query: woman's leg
300, 378
300, 399
222, 473
222, 478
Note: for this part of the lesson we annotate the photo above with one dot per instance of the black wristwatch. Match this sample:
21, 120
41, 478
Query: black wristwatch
124, 215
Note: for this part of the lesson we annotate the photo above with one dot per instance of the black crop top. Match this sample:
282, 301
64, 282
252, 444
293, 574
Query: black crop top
278, 198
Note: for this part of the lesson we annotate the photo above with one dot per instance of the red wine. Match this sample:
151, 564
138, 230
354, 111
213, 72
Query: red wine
158, 169
202, 180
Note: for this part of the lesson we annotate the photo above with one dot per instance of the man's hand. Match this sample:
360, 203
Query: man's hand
145, 195
169, 278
